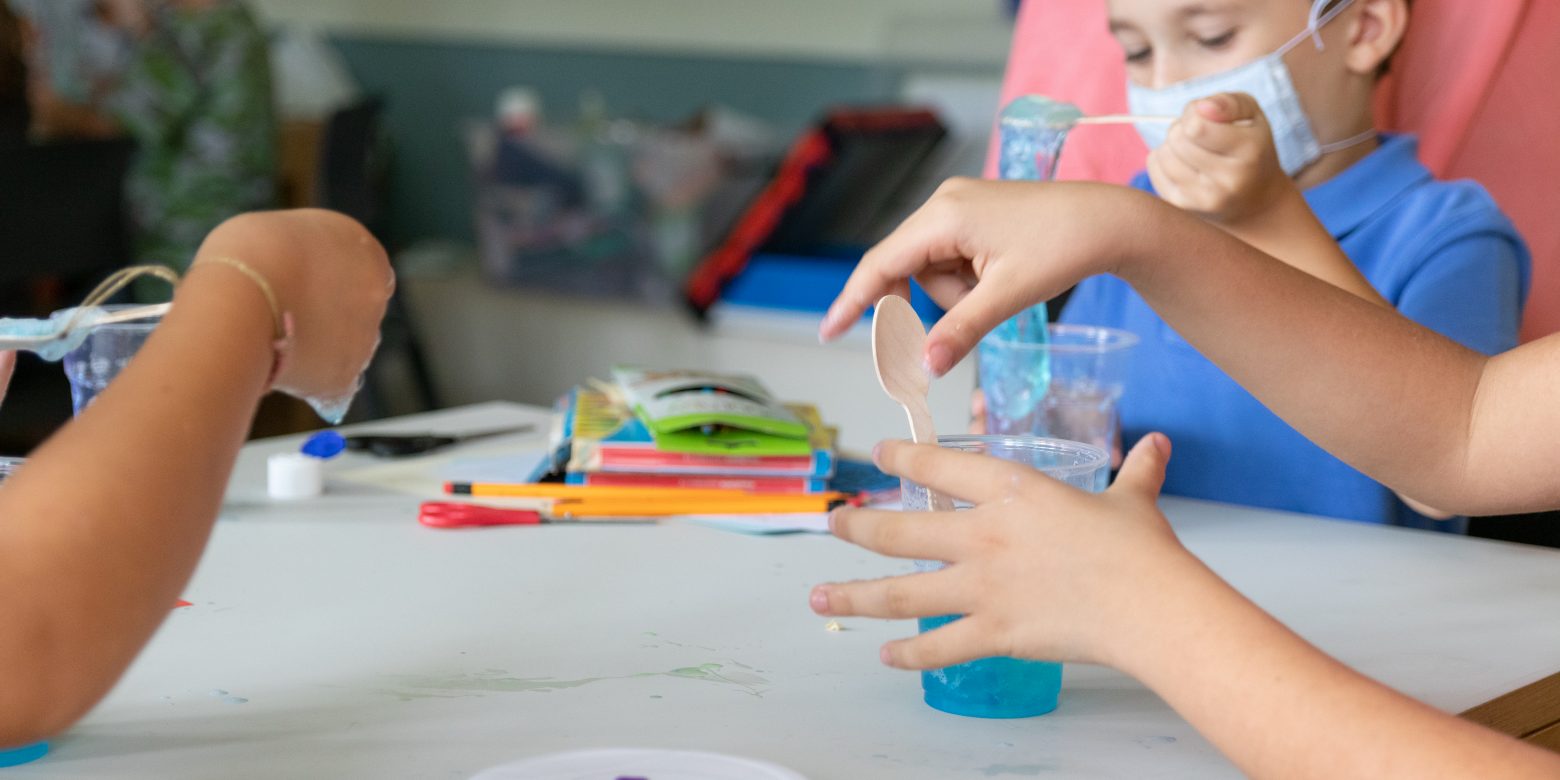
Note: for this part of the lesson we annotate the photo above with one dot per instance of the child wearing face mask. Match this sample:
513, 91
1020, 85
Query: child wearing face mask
1275, 143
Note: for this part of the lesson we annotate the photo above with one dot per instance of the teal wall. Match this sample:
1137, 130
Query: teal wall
432, 87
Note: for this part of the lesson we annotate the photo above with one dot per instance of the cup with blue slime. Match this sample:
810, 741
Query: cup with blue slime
1005, 687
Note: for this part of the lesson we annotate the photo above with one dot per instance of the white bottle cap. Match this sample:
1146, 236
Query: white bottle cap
293, 475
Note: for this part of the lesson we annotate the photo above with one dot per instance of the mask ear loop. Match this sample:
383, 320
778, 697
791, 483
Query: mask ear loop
1338, 146
115, 282
1315, 20
1313, 29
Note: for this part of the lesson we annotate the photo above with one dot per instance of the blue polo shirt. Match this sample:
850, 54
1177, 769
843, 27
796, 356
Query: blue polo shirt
1441, 252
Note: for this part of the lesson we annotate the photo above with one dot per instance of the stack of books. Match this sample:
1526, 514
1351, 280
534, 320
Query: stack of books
687, 429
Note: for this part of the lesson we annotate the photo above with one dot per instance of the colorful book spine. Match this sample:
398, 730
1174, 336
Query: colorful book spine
716, 481
605, 438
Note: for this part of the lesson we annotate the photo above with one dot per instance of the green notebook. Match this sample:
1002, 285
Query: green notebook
713, 414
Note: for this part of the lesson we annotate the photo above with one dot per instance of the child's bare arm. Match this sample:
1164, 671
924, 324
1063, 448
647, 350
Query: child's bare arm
1416, 411
1042, 570
1219, 161
105, 522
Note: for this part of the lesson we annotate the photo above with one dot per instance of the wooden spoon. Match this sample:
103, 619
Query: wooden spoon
1122, 119
898, 347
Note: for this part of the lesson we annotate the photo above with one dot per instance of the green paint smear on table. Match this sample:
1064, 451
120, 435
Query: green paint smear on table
495, 681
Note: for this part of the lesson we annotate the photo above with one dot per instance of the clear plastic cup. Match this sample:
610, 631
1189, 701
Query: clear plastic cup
1086, 372
1005, 687
105, 353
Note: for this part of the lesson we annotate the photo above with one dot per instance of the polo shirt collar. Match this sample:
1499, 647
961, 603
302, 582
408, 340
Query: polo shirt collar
1351, 198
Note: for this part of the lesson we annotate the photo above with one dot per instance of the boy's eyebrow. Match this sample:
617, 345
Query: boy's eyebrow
1117, 25
1183, 13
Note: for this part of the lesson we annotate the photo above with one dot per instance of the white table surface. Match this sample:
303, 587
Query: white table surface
367, 646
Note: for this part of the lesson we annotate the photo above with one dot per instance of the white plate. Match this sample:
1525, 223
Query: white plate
617, 764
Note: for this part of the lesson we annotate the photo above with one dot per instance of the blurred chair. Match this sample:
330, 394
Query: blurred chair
62, 210
1470, 82
63, 227
353, 175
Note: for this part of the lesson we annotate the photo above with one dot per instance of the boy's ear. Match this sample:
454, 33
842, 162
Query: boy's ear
1375, 35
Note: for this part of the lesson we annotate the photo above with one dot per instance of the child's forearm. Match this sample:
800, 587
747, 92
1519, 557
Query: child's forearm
1279, 707
1456, 430
1422, 414
1290, 231
104, 524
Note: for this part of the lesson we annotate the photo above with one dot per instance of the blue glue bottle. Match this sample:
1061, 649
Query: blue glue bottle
324, 445
23, 755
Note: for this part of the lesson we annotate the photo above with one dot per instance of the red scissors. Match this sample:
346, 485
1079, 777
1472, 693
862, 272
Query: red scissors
454, 514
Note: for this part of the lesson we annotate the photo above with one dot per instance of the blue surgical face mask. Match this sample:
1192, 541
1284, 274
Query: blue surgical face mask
1267, 79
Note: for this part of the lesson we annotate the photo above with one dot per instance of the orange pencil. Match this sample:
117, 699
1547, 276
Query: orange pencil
613, 492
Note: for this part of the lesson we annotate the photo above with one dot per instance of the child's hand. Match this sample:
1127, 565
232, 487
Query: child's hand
331, 276
1219, 161
985, 250
1039, 569
977, 412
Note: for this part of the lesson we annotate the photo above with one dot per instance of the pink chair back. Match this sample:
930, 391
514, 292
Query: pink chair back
1474, 80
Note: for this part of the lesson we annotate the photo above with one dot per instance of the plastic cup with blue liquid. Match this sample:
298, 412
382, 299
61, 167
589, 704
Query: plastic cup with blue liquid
23, 755
1005, 687
1084, 371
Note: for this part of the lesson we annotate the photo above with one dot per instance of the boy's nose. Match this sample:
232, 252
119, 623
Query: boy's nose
1168, 71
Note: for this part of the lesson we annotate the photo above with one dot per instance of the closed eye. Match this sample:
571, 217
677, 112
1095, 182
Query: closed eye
1219, 41
1141, 55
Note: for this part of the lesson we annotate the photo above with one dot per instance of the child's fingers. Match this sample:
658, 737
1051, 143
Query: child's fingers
926, 594
1225, 140
977, 412
1225, 124
1202, 166
1175, 162
1192, 188
947, 287
962, 640
975, 478
866, 285
1143, 472
987, 305
927, 535
1167, 187
1227, 107
921, 240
